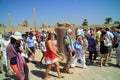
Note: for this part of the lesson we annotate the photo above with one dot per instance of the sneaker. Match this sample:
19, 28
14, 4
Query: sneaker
101, 65
84, 67
106, 65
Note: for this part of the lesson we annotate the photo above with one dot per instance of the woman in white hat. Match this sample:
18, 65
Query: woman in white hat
79, 53
15, 60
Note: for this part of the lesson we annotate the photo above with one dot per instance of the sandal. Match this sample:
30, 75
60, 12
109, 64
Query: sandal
70, 72
61, 76
67, 71
47, 79
64, 69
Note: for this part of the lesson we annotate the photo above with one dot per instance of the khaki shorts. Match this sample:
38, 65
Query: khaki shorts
109, 49
69, 60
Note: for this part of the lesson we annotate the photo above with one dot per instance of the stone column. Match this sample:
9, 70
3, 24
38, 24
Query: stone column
9, 25
61, 32
34, 14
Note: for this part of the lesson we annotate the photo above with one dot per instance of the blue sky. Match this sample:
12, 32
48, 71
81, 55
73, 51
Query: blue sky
52, 11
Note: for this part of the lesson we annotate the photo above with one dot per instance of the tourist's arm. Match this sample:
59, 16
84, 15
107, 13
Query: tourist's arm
106, 39
9, 70
81, 41
21, 50
49, 44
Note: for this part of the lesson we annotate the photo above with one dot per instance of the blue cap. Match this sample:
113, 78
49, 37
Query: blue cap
6, 35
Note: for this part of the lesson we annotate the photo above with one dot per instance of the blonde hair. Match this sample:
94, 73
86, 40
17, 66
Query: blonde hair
50, 35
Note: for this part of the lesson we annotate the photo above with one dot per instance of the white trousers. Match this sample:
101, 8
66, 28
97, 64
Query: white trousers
4, 58
79, 55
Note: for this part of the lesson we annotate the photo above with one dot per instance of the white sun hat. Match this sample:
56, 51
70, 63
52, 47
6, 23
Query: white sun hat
17, 36
79, 32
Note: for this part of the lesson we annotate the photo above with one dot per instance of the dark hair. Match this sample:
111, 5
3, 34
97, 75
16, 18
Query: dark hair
107, 29
43, 31
77, 37
12, 40
103, 33
31, 33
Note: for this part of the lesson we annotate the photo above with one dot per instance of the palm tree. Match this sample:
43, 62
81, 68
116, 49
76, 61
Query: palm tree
108, 20
85, 22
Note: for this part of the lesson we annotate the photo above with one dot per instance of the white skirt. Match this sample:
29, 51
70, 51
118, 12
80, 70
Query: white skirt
51, 61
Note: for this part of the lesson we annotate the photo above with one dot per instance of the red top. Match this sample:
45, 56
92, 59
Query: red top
49, 55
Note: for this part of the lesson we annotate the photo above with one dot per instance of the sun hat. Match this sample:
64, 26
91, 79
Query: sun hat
22, 32
68, 31
17, 36
79, 32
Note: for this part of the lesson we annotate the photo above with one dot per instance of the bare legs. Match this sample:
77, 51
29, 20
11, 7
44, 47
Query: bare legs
42, 58
68, 63
32, 56
101, 59
47, 71
56, 65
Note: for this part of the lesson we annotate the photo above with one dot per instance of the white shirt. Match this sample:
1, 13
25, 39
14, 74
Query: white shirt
43, 46
23, 45
4, 44
110, 36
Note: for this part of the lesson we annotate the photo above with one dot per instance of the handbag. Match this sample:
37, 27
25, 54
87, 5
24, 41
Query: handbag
116, 44
77, 45
107, 44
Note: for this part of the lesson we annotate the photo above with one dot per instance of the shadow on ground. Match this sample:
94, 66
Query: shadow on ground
41, 74
38, 73
11, 77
